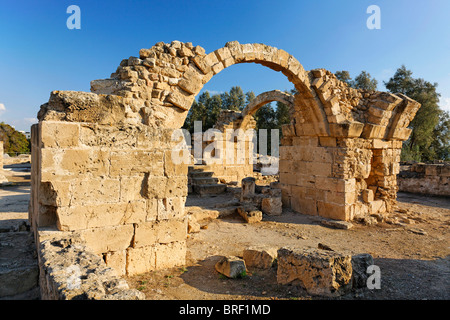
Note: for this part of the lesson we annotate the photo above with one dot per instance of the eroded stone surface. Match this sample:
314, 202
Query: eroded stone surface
319, 272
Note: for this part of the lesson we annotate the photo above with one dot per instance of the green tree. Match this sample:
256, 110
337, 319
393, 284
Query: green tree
197, 112
364, 81
425, 124
249, 97
441, 144
234, 99
344, 76
14, 142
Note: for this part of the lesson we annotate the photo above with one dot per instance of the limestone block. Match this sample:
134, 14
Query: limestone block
319, 272
170, 208
333, 211
165, 231
367, 195
99, 215
260, 257
272, 206
327, 141
101, 240
248, 188
170, 255
301, 204
57, 134
250, 216
95, 191
232, 267
377, 206
117, 260
140, 260
180, 100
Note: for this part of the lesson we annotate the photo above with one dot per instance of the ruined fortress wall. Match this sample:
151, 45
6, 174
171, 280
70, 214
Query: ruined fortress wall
114, 187
102, 168
430, 179
338, 178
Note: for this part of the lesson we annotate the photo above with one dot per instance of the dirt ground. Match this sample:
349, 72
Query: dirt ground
412, 252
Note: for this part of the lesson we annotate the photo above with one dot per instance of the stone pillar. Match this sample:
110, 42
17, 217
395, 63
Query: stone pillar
248, 188
115, 187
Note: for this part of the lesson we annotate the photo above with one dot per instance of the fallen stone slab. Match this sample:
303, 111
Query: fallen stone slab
319, 272
337, 224
231, 267
260, 257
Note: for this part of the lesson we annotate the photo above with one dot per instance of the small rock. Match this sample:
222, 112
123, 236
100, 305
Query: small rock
193, 227
251, 216
232, 267
324, 247
418, 231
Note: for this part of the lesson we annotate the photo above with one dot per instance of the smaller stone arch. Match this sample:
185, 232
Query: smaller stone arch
264, 98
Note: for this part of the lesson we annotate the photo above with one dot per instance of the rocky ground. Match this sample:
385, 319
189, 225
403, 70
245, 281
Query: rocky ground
412, 251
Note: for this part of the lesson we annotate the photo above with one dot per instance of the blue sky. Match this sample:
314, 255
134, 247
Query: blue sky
38, 53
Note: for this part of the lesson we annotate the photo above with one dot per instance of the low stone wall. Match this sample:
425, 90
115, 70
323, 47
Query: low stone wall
68, 270
2, 177
431, 179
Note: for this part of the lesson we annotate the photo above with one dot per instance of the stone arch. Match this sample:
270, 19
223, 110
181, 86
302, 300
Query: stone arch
264, 98
171, 75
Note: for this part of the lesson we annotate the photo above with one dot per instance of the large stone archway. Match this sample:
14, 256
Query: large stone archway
102, 165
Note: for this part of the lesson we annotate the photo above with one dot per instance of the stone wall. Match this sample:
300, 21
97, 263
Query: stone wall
112, 184
338, 178
430, 179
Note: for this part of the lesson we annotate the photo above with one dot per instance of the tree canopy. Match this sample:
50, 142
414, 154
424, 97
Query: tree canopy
429, 138
14, 142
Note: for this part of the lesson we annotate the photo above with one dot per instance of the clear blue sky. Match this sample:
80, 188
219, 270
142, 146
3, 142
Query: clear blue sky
38, 53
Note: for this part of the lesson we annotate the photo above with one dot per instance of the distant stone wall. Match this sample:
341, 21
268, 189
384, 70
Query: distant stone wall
2, 177
431, 179
1, 156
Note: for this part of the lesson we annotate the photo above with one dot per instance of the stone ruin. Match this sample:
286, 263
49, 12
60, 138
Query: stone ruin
103, 173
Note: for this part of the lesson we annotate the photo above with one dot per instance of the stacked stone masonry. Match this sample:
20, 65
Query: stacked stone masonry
430, 179
102, 163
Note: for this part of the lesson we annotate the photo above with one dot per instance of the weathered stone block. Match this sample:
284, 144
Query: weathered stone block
170, 255
57, 134
232, 267
260, 257
319, 272
140, 260
164, 231
272, 206
106, 239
